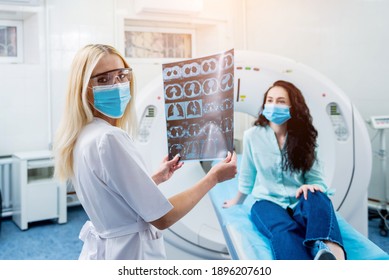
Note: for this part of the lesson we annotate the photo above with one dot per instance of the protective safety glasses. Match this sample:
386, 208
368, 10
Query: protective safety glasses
108, 78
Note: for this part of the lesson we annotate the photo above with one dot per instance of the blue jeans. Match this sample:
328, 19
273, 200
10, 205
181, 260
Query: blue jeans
292, 233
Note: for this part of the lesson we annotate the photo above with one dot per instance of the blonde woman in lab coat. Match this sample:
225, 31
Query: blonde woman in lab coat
93, 150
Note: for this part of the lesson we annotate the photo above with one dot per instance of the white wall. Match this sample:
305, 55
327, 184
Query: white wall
71, 25
216, 27
345, 40
23, 95
32, 93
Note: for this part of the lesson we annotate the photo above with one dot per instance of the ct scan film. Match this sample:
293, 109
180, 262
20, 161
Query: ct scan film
199, 106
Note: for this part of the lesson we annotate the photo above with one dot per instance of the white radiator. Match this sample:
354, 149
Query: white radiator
6, 185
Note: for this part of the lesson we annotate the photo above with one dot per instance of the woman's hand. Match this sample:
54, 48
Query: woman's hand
167, 169
230, 202
238, 199
184, 201
224, 170
304, 190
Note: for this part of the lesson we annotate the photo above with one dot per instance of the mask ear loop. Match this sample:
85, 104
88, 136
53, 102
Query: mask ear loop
90, 92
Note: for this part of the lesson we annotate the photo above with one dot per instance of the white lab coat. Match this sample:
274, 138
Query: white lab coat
118, 195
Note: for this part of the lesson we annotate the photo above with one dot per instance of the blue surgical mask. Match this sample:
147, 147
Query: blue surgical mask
112, 100
277, 114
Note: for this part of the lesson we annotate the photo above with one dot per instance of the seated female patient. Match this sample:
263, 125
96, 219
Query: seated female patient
280, 169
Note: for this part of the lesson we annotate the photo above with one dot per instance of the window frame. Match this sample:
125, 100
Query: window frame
169, 30
19, 41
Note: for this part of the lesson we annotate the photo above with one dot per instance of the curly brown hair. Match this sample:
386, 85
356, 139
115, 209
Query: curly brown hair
299, 150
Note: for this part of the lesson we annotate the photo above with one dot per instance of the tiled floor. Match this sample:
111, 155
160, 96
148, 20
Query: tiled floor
51, 241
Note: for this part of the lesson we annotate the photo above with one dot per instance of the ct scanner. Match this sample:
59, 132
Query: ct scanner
343, 141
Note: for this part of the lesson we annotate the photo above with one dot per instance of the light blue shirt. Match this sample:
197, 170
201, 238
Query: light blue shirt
261, 173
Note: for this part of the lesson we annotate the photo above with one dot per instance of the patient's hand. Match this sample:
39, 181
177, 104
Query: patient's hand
238, 199
229, 203
303, 190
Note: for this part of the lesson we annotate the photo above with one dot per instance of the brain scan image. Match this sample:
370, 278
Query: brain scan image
192, 89
194, 109
227, 61
226, 104
176, 132
177, 149
175, 111
227, 82
194, 130
208, 66
226, 124
190, 70
173, 92
210, 107
171, 73
210, 86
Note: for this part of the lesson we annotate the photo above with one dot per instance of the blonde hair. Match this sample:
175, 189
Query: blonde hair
78, 112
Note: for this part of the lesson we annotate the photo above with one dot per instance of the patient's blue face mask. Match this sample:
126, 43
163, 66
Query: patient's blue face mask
275, 113
112, 100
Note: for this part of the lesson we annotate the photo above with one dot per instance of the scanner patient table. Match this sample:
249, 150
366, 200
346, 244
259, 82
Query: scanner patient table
245, 242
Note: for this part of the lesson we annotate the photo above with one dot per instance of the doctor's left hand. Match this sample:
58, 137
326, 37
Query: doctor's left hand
167, 169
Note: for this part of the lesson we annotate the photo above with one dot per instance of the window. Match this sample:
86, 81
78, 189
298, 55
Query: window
147, 42
11, 44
